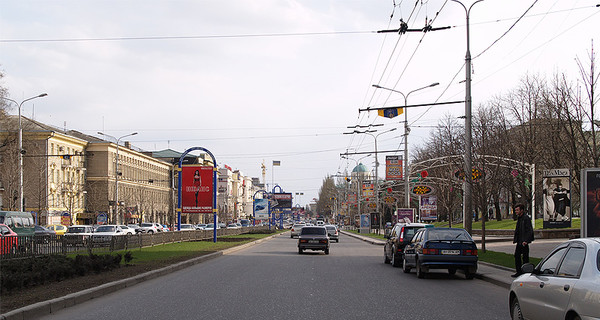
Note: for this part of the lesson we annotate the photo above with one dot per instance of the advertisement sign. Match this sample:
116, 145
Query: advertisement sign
365, 221
428, 208
196, 189
65, 219
405, 215
368, 189
261, 209
375, 220
556, 198
590, 202
352, 198
281, 200
393, 168
102, 219
422, 189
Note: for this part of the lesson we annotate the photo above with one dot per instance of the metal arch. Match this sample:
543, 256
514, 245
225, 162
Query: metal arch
214, 188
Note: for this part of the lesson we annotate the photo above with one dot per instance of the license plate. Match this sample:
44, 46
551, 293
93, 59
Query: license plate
313, 241
454, 252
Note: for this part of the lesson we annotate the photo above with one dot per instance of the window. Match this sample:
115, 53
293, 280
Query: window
572, 263
18, 223
551, 263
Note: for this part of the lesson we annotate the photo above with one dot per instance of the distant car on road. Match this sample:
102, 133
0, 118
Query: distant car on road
150, 227
332, 232
78, 234
564, 285
43, 234
186, 227
105, 233
313, 238
128, 230
441, 248
58, 228
296, 228
399, 237
136, 228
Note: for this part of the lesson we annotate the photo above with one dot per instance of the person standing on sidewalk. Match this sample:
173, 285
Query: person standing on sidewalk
523, 237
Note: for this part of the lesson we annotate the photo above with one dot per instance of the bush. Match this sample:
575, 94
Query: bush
22, 273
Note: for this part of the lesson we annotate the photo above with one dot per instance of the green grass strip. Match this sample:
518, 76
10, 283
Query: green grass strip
502, 259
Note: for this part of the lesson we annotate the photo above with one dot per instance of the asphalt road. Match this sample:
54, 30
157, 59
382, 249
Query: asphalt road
272, 281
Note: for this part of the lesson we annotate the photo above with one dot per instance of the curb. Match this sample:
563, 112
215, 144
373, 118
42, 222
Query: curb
363, 238
43, 308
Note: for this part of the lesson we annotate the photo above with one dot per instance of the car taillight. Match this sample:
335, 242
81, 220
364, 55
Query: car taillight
430, 251
303, 240
402, 234
323, 241
470, 252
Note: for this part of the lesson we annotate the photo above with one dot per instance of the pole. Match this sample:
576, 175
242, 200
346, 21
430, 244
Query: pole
468, 197
20, 146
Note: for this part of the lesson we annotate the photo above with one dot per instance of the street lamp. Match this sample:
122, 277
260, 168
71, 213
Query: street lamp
468, 205
406, 131
376, 163
21, 151
117, 171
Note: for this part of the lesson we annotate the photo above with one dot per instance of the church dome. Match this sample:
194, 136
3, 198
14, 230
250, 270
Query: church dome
360, 168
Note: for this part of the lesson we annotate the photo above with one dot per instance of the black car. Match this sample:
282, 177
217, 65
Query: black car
441, 248
313, 238
44, 234
397, 239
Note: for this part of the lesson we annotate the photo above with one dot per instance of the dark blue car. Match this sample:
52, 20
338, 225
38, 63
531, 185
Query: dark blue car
441, 248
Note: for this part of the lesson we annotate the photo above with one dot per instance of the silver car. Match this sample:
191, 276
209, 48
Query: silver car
296, 228
565, 285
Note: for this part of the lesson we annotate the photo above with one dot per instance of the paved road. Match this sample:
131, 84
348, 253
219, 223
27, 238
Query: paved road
272, 281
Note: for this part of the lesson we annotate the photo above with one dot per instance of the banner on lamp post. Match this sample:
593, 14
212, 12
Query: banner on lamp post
197, 189
393, 168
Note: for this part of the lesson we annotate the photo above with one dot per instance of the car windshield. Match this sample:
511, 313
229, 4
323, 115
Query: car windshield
210, 225
330, 228
186, 226
448, 234
309, 230
106, 229
76, 230
147, 225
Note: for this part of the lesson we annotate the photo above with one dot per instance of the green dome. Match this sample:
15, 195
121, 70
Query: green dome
360, 168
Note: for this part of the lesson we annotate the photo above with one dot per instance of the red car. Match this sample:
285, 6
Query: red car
9, 242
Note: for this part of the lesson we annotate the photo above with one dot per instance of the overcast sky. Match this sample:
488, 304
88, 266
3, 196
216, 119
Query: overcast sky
276, 80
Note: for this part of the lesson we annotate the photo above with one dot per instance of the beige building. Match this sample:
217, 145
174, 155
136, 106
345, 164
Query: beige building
144, 184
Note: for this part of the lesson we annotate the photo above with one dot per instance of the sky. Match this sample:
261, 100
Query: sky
258, 81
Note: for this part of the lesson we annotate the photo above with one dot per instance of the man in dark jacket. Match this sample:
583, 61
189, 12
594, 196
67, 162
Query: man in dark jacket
523, 237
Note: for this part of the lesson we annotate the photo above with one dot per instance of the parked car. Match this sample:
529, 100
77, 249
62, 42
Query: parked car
441, 248
150, 227
399, 236
245, 223
105, 233
332, 232
43, 234
211, 226
9, 240
58, 228
296, 228
78, 234
186, 227
136, 228
165, 228
233, 226
313, 238
200, 226
19, 222
127, 229
564, 285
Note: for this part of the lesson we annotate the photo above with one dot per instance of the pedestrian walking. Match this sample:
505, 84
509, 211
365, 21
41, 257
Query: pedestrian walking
523, 237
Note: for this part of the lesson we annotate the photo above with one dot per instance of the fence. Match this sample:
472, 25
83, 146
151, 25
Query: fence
28, 246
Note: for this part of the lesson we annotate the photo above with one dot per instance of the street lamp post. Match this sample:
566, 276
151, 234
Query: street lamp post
376, 164
20, 146
406, 132
468, 205
117, 172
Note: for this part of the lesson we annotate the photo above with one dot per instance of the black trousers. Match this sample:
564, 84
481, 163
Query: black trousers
521, 250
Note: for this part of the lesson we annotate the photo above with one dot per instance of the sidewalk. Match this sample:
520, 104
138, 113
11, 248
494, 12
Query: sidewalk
498, 275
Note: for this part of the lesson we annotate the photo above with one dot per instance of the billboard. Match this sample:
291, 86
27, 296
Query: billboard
393, 168
556, 195
261, 209
590, 202
196, 189
368, 189
428, 208
281, 200
405, 215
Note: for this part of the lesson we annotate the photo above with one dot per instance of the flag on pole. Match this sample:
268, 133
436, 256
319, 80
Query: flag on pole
276, 163
390, 113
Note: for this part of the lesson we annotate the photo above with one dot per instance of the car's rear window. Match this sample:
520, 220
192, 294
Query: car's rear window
76, 230
332, 228
106, 229
410, 232
448, 234
309, 230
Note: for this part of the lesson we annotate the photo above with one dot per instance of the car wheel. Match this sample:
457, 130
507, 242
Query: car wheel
395, 261
385, 258
469, 275
405, 266
150, 231
326, 251
452, 271
300, 251
420, 272
515, 310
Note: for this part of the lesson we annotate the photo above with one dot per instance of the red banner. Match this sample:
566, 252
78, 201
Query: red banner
197, 189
